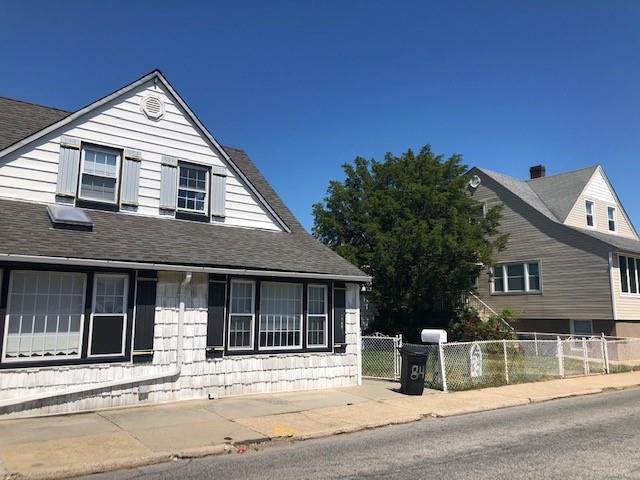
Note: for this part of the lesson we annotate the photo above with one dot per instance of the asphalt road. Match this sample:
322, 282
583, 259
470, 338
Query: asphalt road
596, 436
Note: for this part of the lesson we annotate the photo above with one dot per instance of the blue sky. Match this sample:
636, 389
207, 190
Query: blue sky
305, 86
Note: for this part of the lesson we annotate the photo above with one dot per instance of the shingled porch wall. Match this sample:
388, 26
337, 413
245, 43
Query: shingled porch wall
200, 376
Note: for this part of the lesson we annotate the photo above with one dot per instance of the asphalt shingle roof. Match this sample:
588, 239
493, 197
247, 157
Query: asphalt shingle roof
25, 228
553, 196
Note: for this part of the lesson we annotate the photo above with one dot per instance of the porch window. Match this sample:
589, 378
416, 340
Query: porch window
317, 317
280, 316
193, 185
45, 315
589, 208
611, 217
516, 277
99, 179
241, 315
109, 315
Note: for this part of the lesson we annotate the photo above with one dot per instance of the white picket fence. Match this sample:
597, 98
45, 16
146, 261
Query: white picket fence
469, 365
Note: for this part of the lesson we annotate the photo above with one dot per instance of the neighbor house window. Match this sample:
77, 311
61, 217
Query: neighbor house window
516, 277
581, 327
193, 185
280, 315
99, 174
109, 315
589, 207
317, 316
45, 313
629, 267
241, 315
611, 216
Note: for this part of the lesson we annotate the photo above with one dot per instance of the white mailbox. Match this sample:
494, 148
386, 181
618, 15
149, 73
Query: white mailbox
434, 335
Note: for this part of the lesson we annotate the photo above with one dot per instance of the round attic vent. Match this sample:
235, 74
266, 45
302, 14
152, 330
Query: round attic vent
475, 181
153, 107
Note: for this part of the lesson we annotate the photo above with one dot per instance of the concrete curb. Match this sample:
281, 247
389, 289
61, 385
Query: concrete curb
546, 398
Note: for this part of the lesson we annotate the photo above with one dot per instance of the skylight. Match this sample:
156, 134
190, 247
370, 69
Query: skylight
71, 217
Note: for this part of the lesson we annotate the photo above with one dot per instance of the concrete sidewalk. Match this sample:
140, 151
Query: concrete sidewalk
72, 445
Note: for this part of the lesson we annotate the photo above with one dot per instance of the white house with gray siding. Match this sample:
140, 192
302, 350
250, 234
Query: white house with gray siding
142, 261
572, 261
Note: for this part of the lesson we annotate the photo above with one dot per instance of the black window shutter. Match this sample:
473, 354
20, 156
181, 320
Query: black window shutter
339, 313
215, 318
146, 283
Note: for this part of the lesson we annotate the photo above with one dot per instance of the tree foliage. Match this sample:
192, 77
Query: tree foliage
409, 222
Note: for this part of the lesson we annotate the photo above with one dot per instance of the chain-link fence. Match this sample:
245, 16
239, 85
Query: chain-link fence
380, 356
469, 365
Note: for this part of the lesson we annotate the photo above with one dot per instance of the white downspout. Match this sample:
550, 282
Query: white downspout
118, 383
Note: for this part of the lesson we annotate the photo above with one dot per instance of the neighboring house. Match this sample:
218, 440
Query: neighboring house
140, 260
572, 260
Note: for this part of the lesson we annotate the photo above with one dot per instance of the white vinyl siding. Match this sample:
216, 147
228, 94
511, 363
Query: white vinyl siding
45, 315
32, 174
520, 277
241, 315
280, 316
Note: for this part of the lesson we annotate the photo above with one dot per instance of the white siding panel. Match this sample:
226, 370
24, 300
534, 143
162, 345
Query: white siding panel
31, 173
598, 189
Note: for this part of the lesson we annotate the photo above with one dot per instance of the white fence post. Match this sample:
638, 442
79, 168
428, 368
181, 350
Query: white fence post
584, 357
506, 365
560, 359
535, 341
443, 373
396, 358
605, 354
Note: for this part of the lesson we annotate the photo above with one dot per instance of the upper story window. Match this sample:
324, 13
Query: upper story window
591, 215
629, 274
611, 217
516, 277
99, 174
193, 187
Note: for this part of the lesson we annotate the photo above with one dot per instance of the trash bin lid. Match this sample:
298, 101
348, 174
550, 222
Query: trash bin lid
414, 350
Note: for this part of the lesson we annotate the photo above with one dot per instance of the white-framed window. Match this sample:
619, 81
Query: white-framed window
590, 212
108, 323
611, 218
629, 281
317, 316
193, 188
241, 315
280, 316
45, 315
516, 277
99, 173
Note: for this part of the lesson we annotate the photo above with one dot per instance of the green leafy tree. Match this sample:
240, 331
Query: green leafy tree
409, 222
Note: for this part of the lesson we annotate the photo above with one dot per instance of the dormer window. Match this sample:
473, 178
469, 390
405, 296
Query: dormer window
590, 209
99, 174
611, 216
193, 187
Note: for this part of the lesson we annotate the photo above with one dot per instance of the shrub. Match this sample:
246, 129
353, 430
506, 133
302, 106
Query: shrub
468, 327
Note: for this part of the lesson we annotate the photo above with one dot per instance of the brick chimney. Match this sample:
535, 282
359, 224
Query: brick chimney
537, 171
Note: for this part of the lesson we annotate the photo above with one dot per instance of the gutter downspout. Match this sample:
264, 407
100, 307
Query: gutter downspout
118, 383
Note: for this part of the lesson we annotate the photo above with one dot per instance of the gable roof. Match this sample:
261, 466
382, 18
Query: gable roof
155, 76
560, 192
554, 195
20, 119
26, 229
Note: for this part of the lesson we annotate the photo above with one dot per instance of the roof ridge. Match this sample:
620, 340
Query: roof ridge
570, 172
26, 102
